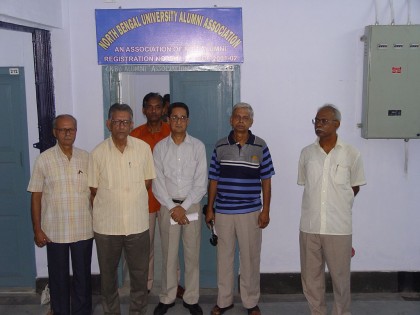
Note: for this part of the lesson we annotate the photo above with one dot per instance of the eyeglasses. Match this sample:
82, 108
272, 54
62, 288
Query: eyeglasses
125, 123
64, 131
322, 121
176, 118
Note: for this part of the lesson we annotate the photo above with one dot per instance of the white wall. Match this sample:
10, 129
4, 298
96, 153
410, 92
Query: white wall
298, 55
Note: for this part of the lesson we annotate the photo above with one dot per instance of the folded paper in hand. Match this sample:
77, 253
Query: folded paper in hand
190, 216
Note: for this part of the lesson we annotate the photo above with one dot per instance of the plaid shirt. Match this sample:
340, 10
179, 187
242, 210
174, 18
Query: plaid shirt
66, 216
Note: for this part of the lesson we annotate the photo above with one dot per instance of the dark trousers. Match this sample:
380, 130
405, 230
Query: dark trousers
66, 298
136, 253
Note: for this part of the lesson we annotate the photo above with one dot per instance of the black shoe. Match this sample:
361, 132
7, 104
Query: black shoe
162, 308
194, 309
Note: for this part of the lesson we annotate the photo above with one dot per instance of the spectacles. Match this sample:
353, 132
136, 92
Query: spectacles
125, 123
176, 118
64, 131
322, 121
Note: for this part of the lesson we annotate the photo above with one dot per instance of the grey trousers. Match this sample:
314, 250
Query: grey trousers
334, 250
170, 238
136, 253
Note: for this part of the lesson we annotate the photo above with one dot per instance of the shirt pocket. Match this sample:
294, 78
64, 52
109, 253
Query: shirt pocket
81, 181
136, 174
341, 174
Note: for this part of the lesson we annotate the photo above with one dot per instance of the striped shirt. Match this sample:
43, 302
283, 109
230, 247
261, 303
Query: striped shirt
238, 172
121, 206
65, 210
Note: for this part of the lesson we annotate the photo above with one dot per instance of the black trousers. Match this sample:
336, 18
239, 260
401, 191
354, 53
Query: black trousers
74, 298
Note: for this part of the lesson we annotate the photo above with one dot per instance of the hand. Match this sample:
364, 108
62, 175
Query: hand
263, 219
179, 215
210, 216
41, 239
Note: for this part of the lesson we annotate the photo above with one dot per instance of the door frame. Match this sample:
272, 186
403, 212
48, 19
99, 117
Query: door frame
111, 80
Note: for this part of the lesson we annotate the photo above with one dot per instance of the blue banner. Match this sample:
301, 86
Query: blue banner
156, 36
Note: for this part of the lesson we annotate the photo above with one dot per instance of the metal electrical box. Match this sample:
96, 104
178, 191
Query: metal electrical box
391, 91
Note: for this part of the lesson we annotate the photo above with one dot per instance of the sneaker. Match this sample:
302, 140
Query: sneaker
254, 310
194, 309
216, 310
162, 308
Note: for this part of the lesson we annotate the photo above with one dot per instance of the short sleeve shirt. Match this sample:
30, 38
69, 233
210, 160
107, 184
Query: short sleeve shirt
65, 209
328, 180
120, 206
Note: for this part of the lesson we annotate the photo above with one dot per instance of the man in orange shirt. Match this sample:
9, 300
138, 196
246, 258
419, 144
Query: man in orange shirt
152, 132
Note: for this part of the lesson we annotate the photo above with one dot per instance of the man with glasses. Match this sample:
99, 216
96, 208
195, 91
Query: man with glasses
240, 169
180, 184
120, 172
331, 172
62, 218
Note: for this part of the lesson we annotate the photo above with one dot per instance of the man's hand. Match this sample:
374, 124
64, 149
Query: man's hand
179, 215
41, 239
210, 216
263, 219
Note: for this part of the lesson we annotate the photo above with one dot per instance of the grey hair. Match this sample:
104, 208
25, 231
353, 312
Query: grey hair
246, 106
54, 123
331, 107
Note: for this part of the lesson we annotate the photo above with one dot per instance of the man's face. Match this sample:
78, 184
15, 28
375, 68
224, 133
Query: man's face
65, 131
178, 121
325, 123
120, 125
240, 120
153, 110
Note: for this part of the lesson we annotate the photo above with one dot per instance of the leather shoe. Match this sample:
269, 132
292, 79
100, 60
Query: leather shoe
216, 310
254, 310
194, 309
180, 292
162, 308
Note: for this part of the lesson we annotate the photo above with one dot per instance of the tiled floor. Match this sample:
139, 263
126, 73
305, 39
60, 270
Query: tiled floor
363, 304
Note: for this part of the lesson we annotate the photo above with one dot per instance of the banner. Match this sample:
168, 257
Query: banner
156, 36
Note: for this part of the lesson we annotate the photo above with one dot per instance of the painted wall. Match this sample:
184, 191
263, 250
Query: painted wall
298, 55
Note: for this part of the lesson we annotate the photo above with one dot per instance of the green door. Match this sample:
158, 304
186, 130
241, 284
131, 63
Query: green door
210, 96
17, 262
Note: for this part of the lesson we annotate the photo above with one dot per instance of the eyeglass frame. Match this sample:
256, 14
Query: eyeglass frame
177, 118
64, 131
323, 121
125, 122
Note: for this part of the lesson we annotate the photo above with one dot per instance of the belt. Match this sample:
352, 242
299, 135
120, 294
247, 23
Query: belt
177, 201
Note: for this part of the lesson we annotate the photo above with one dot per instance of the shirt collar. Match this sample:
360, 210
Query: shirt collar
251, 138
186, 140
112, 144
339, 143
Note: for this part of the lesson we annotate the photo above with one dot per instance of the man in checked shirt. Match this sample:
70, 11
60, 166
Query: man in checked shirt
62, 218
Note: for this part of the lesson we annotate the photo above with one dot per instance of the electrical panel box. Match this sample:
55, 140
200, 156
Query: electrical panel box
391, 90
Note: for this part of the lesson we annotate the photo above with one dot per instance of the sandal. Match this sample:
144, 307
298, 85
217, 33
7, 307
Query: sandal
220, 310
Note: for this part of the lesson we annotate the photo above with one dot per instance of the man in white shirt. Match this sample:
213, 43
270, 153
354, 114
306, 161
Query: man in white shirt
180, 184
331, 172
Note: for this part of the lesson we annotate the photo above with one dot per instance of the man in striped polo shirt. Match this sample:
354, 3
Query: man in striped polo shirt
240, 168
